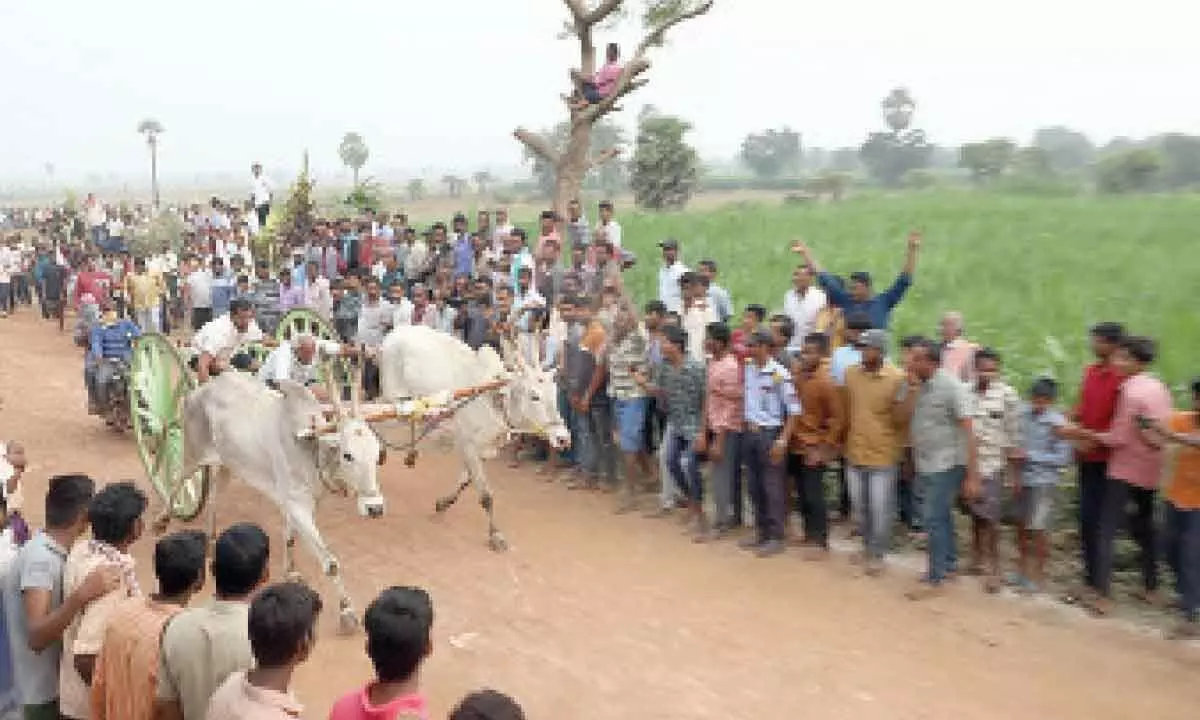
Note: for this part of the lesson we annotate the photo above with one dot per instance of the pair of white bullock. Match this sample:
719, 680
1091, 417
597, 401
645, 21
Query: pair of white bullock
286, 446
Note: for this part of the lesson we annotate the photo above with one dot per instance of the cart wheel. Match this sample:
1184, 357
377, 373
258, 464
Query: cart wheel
302, 320
159, 380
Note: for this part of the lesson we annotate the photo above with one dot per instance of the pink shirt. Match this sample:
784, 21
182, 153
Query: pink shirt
357, 706
958, 359
606, 78
724, 394
1133, 460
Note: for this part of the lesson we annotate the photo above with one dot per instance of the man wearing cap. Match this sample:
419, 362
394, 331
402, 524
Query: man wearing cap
861, 297
669, 290
874, 415
771, 409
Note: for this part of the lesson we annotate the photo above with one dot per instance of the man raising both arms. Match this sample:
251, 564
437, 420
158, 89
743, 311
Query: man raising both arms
861, 296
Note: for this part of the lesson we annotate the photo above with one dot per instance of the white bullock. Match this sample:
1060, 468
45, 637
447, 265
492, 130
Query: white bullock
279, 443
417, 361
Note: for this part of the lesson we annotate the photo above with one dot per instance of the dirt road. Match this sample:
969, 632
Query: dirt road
594, 616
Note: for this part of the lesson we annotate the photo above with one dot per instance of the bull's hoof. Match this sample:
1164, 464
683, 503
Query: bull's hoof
497, 542
410, 458
347, 622
442, 505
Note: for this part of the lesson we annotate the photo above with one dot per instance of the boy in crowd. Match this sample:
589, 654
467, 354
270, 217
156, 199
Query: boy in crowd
115, 515
127, 665
36, 608
399, 624
1043, 456
203, 646
752, 319
723, 418
718, 297
282, 627
817, 439
487, 705
996, 421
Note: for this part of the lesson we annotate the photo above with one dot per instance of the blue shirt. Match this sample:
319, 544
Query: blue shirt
222, 293
770, 395
878, 308
464, 255
113, 341
1046, 454
842, 358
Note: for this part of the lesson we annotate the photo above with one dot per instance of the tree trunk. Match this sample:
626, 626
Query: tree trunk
355, 172
154, 174
572, 167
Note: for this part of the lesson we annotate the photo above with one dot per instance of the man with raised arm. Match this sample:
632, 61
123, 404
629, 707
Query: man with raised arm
860, 297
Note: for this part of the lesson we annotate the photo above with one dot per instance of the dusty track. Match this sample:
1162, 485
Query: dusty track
595, 616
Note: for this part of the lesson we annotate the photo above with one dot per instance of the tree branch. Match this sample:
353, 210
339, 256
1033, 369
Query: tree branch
538, 145
579, 11
602, 11
604, 156
638, 63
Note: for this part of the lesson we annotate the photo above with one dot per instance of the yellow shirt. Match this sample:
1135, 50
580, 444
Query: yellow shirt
873, 438
145, 290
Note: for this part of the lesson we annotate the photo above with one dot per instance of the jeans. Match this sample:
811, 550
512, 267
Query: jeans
591, 92
1093, 483
1141, 526
99, 237
811, 489
6, 297
683, 465
766, 483
96, 377
1182, 543
909, 494
871, 489
602, 460
567, 413
669, 490
727, 481
940, 490
629, 416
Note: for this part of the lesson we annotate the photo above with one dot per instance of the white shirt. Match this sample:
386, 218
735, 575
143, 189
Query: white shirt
402, 312
498, 235
252, 223
221, 338
418, 256
96, 215
16, 501
668, 286
803, 312
199, 286
116, 228
613, 233
319, 297
9, 263
282, 363
695, 323
261, 191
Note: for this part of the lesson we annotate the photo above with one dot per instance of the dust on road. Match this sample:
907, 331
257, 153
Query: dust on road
590, 615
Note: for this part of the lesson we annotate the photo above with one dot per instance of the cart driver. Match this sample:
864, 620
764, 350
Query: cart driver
299, 361
218, 344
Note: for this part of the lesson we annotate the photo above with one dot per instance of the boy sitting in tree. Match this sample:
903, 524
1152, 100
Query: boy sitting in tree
601, 85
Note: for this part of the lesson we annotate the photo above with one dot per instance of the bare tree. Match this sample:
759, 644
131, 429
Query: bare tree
586, 16
151, 129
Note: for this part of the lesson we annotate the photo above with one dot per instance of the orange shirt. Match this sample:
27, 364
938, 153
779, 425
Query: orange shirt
823, 411
126, 670
1184, 489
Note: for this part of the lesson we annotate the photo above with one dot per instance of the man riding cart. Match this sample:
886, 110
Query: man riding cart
299, 360
110, 345
221, 342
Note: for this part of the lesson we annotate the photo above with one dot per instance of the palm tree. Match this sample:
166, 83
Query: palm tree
151, 129
453, 185
354, 153
482, 179
898, 108
416, 189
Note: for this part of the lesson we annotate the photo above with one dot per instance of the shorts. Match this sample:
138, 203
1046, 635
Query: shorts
988, 505
1035, 506
630, 416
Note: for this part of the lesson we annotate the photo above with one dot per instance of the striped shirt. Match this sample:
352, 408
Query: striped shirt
770, 395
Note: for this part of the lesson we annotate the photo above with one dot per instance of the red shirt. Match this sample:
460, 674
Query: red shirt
94, 283
1097, 404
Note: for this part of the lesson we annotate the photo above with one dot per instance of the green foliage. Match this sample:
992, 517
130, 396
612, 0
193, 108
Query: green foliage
354, 152
771, 153
293, 221
898, 108
610, 177
829, 182
482, 179
919, 179
1181, 159
454, 185
416, 189
163, 232
1127, 171
665, 168
1067, 150
367, 195
1029, 273
987, 160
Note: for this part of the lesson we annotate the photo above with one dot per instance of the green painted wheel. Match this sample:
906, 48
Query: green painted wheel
302, 320
159, 381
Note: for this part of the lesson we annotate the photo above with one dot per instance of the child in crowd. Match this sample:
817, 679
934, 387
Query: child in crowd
752, 319
487, 705
282, 627
12, 467
399, 624
10, 704
1044, 455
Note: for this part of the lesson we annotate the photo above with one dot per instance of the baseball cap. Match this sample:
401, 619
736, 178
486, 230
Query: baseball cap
876, 339
671, 243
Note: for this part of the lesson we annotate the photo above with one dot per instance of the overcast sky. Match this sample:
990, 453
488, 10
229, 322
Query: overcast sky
441, 85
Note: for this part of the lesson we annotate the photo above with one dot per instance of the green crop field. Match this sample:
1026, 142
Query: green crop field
1029, 274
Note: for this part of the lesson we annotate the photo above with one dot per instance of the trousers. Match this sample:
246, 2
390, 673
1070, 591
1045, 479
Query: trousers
1093, 483
765, 480
1113, 516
